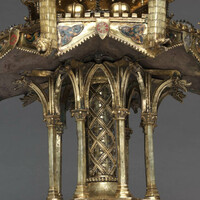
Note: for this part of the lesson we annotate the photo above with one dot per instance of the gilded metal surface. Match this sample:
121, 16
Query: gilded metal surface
103, 92
102, 167
75, 9
51, 112
156, 22
108, 28
103, 5
102, 190
163, 33
122, 188
81, 189
150, 100
102, 162
48, 26
120, 8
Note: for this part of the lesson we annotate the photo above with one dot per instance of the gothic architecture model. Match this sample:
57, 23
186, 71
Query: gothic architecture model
98, 59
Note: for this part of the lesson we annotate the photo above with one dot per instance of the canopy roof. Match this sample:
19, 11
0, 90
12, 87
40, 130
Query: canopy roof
79, 39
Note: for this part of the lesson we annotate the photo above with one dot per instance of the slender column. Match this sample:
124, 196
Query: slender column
81, 189
122, 188
128, 133
148, 123
54, 142
59, 132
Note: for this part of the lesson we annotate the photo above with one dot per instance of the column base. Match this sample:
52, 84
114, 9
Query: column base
152, 194
52, 195
123, 192
81, 192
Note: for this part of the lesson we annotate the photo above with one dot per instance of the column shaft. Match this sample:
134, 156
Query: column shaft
52, 164
55, 154
128, 131
122, 189
151, 189
81, 190
59, 129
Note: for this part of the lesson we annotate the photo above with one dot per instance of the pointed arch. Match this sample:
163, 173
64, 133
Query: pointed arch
158, 93
57, 94
76, 88
126, 76
42, 96
111, 80
137, 72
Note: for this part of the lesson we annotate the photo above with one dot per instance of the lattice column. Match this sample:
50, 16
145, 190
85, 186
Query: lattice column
102, 158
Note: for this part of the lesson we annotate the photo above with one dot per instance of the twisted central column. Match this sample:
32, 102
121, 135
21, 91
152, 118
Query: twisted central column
101, 143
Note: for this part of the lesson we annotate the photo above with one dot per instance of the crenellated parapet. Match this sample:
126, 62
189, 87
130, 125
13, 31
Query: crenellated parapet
142, 25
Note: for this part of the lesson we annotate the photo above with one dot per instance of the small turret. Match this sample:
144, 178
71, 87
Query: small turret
48, 26
156, 22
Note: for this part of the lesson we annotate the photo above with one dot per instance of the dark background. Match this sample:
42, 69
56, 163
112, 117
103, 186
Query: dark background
23, 138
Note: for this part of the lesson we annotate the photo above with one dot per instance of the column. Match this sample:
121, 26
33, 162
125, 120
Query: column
122, 188
148, 123
55, 130
81, 189
128, 135
59, 131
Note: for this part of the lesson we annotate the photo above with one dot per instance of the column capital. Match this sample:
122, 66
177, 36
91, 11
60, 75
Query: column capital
148, 119
120, 113
79, 114
59, 127
52, 120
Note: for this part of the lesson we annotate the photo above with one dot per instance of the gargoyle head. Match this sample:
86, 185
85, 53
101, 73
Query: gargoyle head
43, 45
